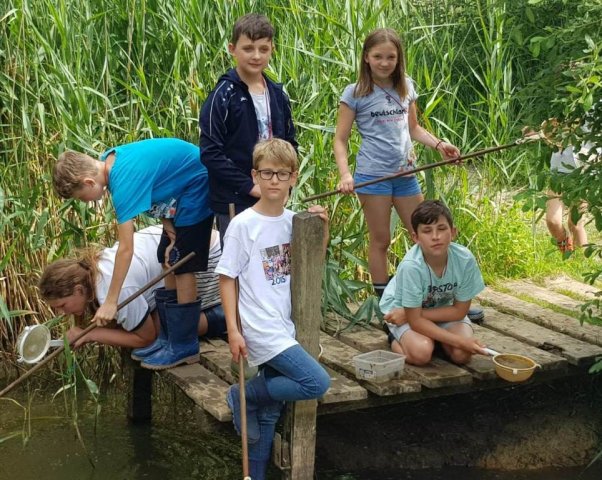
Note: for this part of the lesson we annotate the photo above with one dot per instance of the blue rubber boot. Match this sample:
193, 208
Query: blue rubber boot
216, 323
182, 341
162, 296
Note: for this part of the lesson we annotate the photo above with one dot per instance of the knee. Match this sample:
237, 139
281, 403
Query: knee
322, 383
420, 352
460, 357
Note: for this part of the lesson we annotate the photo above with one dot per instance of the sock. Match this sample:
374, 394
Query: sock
379, 288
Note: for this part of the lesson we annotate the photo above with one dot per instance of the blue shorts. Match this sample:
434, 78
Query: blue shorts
397, 187
399, 330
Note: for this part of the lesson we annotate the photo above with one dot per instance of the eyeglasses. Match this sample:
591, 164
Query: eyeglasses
282, 175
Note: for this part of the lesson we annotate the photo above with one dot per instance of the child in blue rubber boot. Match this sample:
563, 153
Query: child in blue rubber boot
257, 253
163, 178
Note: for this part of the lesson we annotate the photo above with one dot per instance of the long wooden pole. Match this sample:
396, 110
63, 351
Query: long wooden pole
520, 141
92, 326
241, 382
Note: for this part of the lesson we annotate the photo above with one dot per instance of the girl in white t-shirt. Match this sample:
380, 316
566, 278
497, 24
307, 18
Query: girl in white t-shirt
382, 104
76, 286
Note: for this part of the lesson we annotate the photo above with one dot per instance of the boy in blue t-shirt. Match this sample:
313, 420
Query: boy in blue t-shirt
163, 178
428, 298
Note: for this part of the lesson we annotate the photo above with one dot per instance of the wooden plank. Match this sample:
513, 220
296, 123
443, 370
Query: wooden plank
545, 317
577, 352
483, 367
307, 262
203, 387
567, 284
541, 294
338, 356
436, 374
216, 357
342, 389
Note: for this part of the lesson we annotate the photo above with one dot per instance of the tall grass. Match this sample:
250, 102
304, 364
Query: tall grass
85, 75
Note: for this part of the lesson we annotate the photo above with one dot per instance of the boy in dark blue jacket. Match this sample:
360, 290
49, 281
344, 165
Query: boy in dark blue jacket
244, 108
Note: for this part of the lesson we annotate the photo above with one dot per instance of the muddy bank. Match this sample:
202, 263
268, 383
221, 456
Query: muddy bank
517, 428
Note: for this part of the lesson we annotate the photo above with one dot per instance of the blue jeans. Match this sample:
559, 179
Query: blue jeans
290, 376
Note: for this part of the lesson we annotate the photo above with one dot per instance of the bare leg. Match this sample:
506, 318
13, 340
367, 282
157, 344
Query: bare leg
203, 325
186, 287
417, 348
377, 210
405, 206
578, 231
554, 211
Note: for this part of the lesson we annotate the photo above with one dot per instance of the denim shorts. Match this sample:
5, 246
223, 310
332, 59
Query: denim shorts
399, 330
396, 187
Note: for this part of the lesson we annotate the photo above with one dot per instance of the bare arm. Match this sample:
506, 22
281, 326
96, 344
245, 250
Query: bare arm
123, 259
117, 337
345, 119
450, 313
227, 290
419, 134
429, 329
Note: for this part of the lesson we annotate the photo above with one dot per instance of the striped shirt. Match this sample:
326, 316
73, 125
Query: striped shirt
207, 283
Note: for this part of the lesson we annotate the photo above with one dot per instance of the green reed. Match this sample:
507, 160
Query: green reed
86, 75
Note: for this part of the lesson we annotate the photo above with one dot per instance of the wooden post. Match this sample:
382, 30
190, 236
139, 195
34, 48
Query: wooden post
299, 437
140, 387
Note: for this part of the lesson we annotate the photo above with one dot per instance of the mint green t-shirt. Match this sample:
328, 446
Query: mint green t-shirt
416, 285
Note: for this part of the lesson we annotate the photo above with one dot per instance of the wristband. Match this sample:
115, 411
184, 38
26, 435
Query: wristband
438, 143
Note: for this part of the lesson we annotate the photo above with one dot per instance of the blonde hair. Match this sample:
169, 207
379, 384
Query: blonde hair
69, 172
365, 85
278, 151
60, 278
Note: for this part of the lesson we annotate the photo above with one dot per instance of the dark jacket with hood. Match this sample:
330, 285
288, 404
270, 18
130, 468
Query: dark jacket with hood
229, 133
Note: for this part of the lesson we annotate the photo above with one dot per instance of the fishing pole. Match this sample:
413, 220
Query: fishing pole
94, 325
517, 142
241, 380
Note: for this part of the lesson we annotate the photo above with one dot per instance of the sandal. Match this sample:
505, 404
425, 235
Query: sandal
565, 245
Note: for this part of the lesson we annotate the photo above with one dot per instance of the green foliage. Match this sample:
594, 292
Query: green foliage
86, 75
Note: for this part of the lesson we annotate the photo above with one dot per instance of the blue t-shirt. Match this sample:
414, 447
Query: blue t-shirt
416, 285
163, 177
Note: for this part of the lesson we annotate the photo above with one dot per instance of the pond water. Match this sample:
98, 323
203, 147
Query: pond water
179, 444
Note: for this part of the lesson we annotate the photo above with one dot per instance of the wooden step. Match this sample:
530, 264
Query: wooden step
567, 284
216, 357
543, 295
339, 357
436, 374
545, 317
577, 352
203, 387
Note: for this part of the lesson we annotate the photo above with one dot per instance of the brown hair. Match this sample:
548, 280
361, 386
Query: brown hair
69, 171
254, 26
278, 150
365, 85
60, 278
429, 212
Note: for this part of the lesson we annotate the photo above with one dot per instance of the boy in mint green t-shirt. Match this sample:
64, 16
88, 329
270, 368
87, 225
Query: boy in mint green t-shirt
429, 296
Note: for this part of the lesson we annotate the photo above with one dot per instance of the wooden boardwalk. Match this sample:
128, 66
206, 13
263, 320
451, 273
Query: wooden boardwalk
518, 319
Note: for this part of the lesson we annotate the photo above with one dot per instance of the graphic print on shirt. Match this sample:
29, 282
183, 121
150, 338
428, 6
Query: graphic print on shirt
163, 209
276, 262
439, 295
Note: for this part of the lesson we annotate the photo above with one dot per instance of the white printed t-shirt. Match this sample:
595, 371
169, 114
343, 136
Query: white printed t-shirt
257, 252
143, 269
